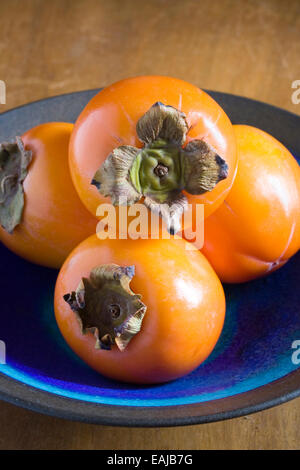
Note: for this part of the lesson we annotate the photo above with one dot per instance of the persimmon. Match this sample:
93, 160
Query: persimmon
141, 311
257, 228
154, 139
42, 218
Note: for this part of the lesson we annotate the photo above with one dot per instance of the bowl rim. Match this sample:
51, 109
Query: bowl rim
272, 394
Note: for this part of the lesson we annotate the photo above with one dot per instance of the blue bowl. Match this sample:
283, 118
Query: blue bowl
254, 365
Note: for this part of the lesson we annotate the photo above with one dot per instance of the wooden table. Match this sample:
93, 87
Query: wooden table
249, 47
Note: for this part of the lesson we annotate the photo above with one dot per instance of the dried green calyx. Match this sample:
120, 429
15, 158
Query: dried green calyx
162, 169
14, 162
106, 306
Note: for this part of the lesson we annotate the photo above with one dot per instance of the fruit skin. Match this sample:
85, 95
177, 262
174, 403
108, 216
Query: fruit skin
257, 228
54, 220
110, 118
185, 308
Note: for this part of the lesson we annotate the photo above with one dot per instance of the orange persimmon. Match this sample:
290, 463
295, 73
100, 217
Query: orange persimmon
156, 139
41, 214
161, 329
257, 228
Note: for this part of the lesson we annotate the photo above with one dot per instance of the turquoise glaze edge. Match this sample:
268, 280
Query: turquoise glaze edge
251, 384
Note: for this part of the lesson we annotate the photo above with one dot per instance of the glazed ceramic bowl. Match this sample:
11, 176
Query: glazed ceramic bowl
250, 369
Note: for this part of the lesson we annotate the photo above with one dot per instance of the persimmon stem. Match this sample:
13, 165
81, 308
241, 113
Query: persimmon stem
106, 306
163, 168
14, 162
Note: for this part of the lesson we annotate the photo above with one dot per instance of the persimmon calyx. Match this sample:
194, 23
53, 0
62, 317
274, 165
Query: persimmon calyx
162, 169
14, 162
106, 306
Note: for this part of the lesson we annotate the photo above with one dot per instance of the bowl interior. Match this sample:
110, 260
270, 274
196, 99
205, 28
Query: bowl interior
255, 347
262, 319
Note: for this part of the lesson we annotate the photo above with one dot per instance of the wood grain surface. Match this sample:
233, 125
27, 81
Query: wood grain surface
249, 47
